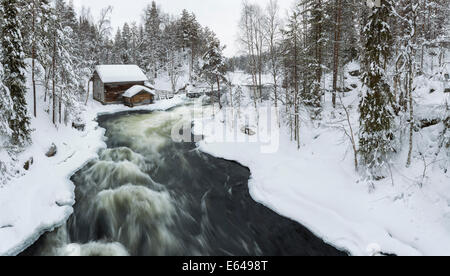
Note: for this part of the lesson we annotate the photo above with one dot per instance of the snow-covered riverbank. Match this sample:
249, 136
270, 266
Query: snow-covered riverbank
317, 186
42, 198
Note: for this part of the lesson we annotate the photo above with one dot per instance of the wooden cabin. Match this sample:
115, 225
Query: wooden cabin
138, 95
110, 82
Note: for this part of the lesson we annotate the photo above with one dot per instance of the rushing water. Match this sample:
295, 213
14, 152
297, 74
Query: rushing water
147, 195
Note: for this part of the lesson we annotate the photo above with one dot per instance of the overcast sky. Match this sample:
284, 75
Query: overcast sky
221, 16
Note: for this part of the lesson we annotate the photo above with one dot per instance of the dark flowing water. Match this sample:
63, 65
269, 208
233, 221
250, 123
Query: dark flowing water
147, 195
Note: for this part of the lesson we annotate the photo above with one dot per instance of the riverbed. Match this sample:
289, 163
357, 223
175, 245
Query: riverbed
147, 195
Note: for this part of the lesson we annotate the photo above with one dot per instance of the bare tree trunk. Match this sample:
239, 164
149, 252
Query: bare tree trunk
218, 91
411, 114
337, 38
191, 67
317, 88
296, 96
350, 135
46, 80
60, 105
212, 100
273, 30
260, 53
54, 78
33, 58
421, 58
88, 90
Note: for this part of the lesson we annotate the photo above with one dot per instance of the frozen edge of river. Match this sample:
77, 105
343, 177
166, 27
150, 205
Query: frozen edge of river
319, 189
42, 199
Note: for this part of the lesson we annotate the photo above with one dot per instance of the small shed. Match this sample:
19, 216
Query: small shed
138, 95
111, 81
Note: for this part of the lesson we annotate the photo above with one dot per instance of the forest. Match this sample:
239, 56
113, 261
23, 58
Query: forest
61, 49
316, 39
369, 81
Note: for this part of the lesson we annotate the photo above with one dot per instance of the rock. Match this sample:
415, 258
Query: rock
345, 90
354, 86
248, 131
79, 126
52, 151
355, 73
28, 164
424, 123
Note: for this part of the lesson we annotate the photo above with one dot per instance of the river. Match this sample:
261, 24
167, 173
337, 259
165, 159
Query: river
147, 195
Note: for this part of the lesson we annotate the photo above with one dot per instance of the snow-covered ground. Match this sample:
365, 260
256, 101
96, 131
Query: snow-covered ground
41, 199
318, 186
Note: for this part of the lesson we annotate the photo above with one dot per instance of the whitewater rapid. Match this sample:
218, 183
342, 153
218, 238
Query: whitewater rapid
149, 195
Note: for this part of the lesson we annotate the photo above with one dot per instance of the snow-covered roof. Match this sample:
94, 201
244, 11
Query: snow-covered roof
149, 85
120, 73
133, 91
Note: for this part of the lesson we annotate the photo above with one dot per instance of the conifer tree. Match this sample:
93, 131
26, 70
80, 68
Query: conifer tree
152, 38
125, 44
376, 118
214, 64
6, 108
117, 48
292, 61
14, 67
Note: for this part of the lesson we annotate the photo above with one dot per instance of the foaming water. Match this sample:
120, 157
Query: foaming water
135, 216
148, 195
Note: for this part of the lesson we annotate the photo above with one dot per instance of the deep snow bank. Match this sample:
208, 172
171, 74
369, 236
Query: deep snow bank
318, 187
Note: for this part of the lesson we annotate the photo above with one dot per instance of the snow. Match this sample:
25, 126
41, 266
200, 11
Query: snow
162, 83
317, 186
120, 73
243, 79
199, 88
133, 91
41, 199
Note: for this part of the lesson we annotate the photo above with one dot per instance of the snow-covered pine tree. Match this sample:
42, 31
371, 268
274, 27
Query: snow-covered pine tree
152, 38
336, 48
188, 34
125, 44
238, 99
314, 11
174, 55
135, 42
376, 116
69, 72
406, 15
117, 48
6, 110
214, 64
34, 15
43, 41
14, 67
291, 45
